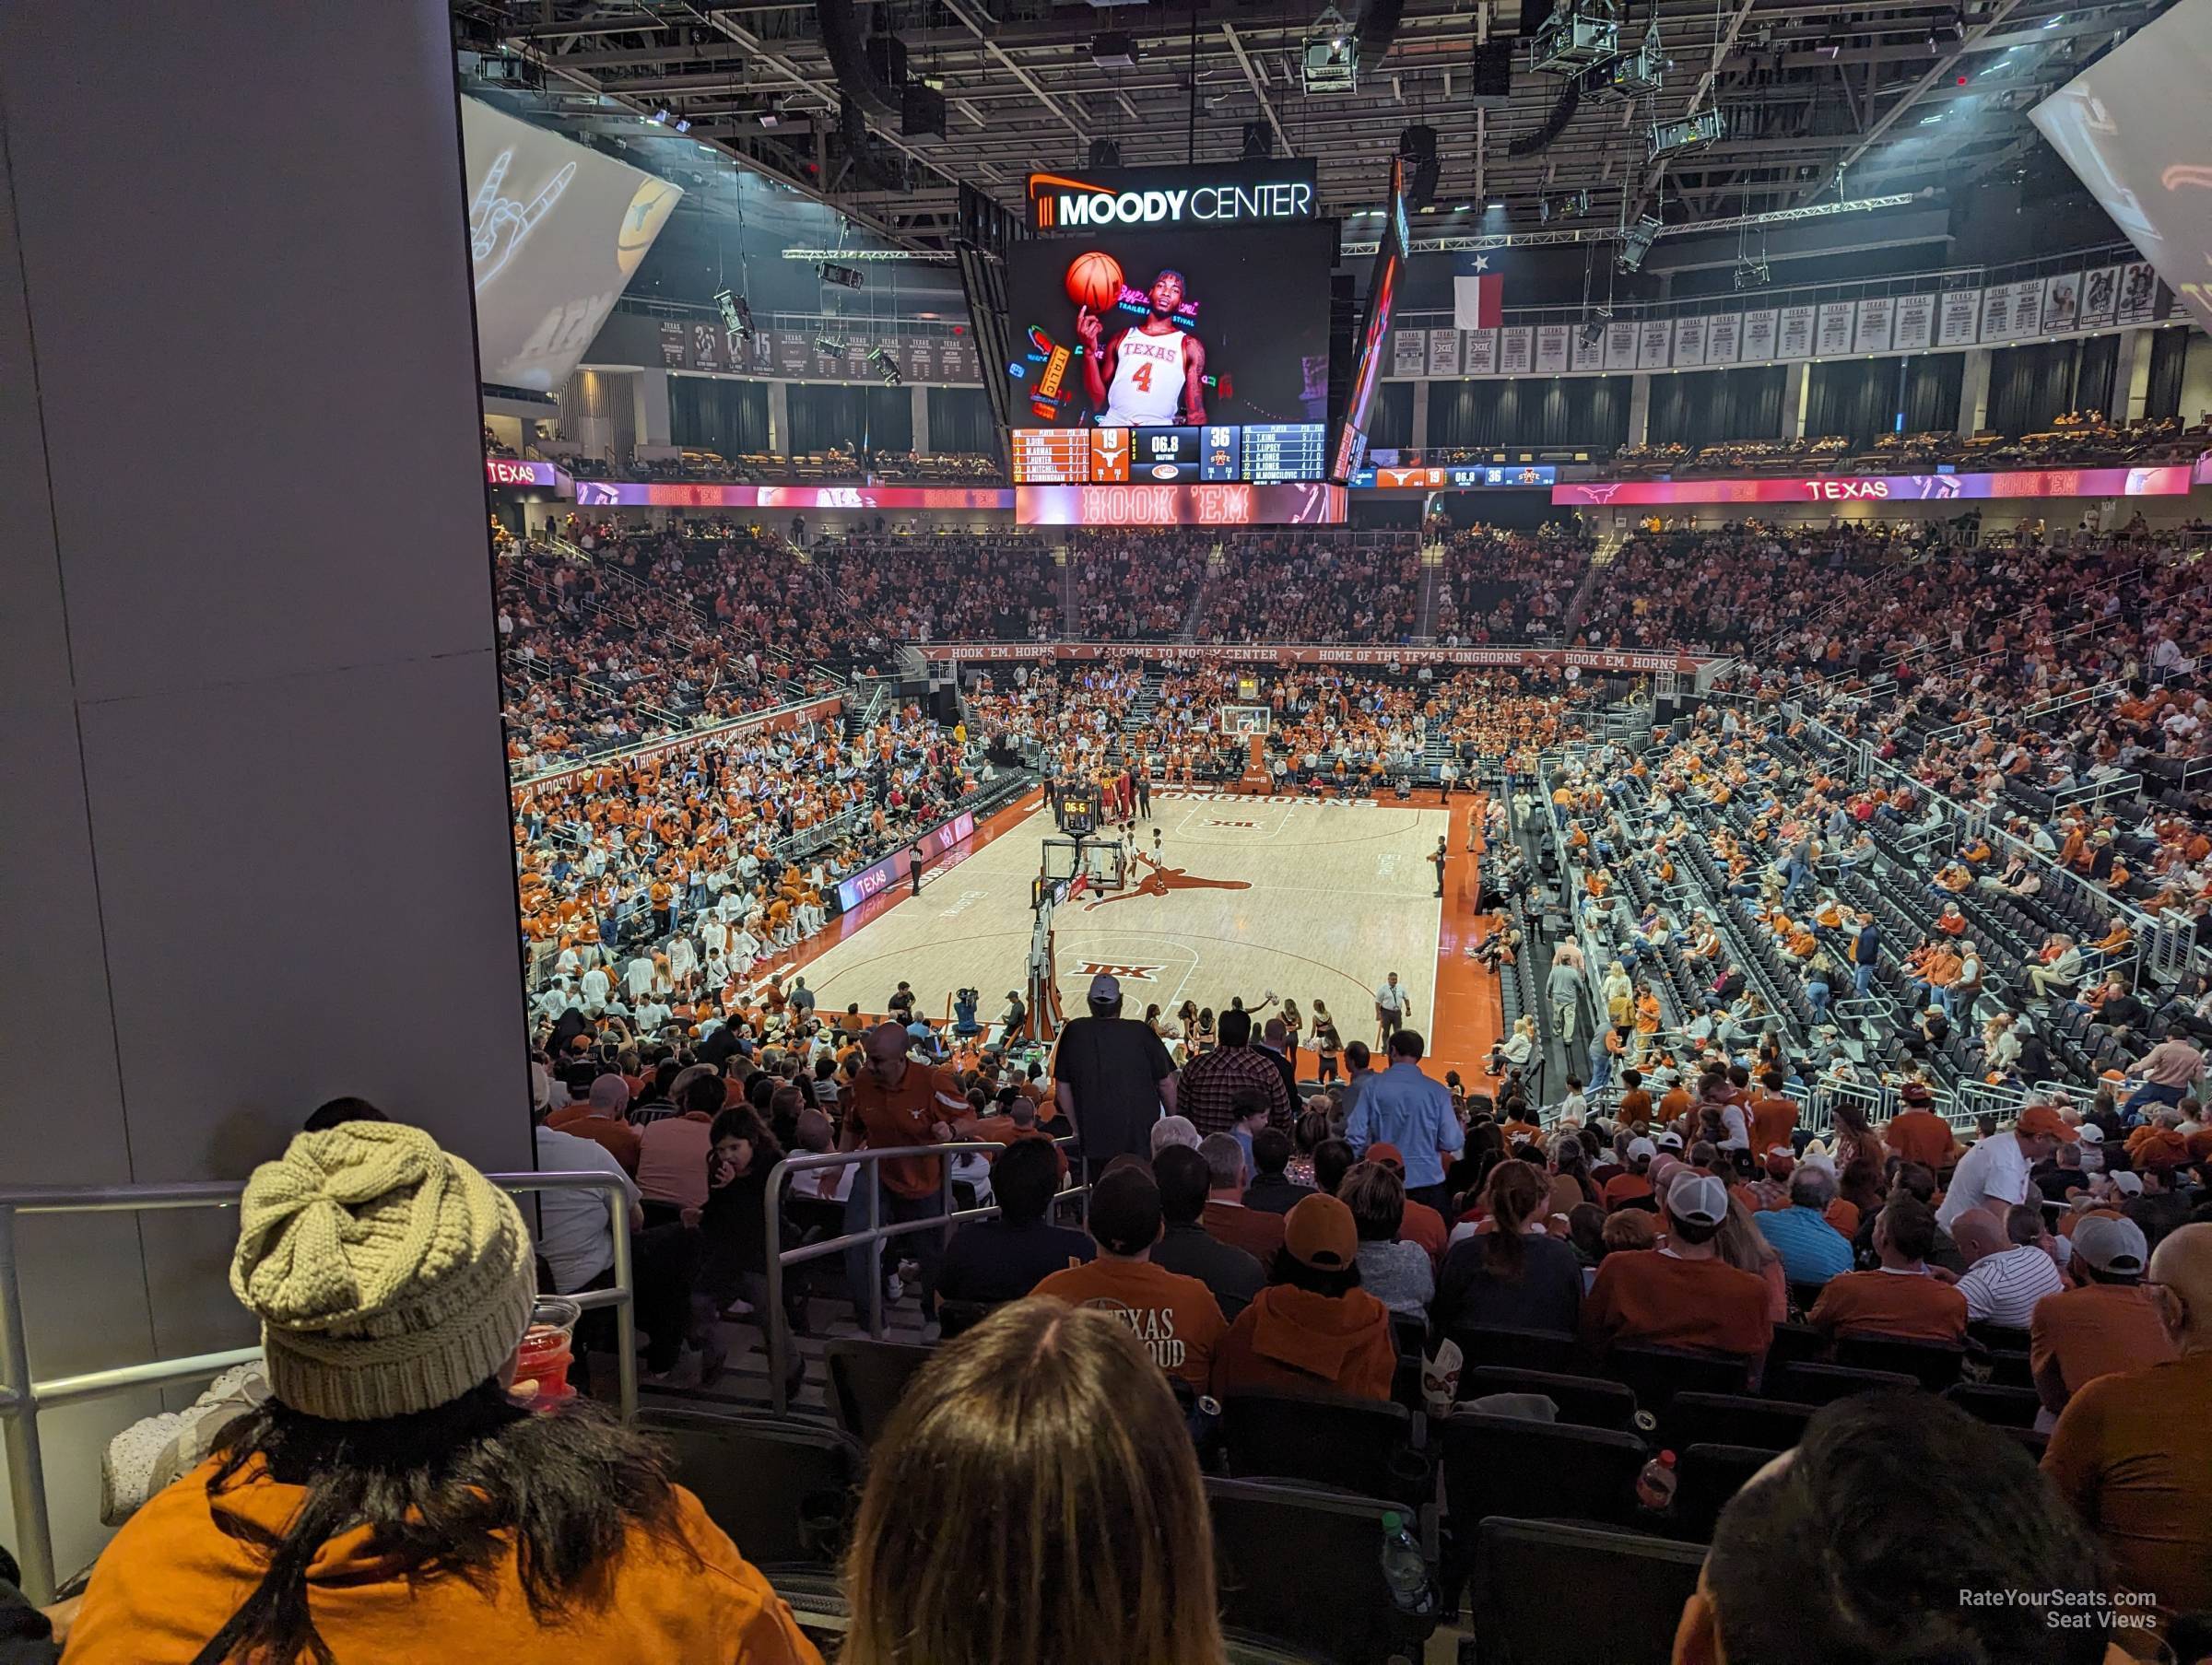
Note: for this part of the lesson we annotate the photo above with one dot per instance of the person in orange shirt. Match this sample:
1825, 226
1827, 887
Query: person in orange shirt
1916, 1133
1175, 1319
1772, 1115
1682, 1294
899, 1103
1313, 1330
391, 1500
2110, 1323
1902, 1298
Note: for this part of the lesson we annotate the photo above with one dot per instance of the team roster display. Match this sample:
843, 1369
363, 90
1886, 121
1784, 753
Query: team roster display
1272, 453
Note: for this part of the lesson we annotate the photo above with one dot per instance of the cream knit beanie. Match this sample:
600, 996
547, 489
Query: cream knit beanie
388, 1276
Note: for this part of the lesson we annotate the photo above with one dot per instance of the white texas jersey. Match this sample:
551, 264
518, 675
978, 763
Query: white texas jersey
1148, 381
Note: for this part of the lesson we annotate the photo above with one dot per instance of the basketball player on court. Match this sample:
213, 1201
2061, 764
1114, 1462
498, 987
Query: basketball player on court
1152, 374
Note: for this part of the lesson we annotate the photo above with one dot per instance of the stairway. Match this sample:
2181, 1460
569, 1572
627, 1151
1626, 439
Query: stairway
1607, 550
1145, 701
1433, 567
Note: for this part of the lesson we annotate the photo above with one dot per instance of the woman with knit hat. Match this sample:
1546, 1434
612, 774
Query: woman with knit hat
391, 1503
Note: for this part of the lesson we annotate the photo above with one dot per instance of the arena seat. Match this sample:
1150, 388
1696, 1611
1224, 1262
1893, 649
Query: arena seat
2006, 1407
1812, 1384
1530, 1575
867, 1378
1518, 1349
1587, 1402
1358, 1445
784, 1487
1300, 1566
1707, 1476
1934, 1364
1508, 1465
1733, 1419
1657, 1374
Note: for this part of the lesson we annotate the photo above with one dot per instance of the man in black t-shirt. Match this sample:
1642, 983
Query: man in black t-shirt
1112, 1078
1003, 1260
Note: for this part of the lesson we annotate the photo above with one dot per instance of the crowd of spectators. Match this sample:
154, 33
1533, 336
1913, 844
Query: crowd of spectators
840, 465
1507, 586
2073, 440
1306, 587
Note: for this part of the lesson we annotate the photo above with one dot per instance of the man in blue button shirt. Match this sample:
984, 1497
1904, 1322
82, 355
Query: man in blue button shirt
1402, 1107
1812, 1250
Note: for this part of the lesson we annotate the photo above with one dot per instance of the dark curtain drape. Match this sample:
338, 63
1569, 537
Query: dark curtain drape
864, 418
2030, 384
727, 418
1392, 425
1700, 407
1553, 412
2169, 355
960, 420
1933, 382
2093, 381
889, 414
1854, 397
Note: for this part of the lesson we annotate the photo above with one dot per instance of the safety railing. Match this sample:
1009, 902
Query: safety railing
775, 1321
23, 1397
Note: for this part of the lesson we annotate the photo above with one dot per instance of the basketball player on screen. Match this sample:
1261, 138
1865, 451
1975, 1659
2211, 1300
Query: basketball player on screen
1152, 374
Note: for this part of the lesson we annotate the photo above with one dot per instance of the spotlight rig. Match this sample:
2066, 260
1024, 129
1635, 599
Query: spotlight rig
1695, 132
1630, 75
844, 277
1594, 328
736, 317
1636, 240
1577, 34
880, 362
1574, 204
1332, 57
1751, 274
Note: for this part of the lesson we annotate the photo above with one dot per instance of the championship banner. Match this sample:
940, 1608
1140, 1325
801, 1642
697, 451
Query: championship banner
1877, 324
1551, 348
1408, 351
1653, 345
1332, 653
1689, 342
1797, 340
1443, 352
1482, 353
1836, 322
1916, 326
1761, 334
2161, 482
1516, 349
1724, 334
1957, 316
1620, 344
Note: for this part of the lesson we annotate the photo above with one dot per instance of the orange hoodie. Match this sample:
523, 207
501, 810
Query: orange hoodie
1292, 1338
171, 1578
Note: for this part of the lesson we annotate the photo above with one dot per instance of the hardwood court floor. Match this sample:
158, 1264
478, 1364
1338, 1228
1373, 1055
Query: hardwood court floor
1308, 900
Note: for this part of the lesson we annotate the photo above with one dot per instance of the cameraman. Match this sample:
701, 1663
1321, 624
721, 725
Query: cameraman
964, 1004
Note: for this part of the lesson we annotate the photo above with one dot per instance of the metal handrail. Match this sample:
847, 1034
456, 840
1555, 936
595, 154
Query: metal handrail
22, 1397
773, 1322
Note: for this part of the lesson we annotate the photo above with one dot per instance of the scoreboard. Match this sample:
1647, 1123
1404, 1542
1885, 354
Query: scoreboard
1260, 454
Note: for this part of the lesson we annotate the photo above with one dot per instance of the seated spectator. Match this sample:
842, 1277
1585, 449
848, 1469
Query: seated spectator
601, 1117
1825, 1556
1514, 1276
1173, 1130
1900, 1297
391, 1502
1188, 1248
1270, 1189
1176, 1317
1254, 1230
2002, 1286
1812, 1250
1313, 1328
2107, 1325
1422, 1223
2133, 1452
1097, 1550
1003, 1260
1682, 1294
1916, 1133
1633, 1186
673, 1152
1395, 1272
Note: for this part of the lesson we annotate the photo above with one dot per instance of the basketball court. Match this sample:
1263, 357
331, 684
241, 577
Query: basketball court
1248, 896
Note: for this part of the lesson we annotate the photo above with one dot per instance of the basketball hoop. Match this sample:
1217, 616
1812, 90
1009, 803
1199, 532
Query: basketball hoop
1077, 885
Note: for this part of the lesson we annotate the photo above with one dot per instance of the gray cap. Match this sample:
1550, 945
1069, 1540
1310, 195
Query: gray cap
2110, 1244
1698, 1198
1104, 990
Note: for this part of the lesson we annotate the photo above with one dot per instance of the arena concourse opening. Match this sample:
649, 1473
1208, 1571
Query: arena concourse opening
1118, 835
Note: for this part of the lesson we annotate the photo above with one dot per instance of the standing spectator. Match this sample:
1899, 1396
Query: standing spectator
2168, 1071
1403, 1107
1393, 1000
2107, 1325
1422, 1223
2003, 1287
1003, 1260
1395, 1271
1257, 1231
1812, 1250
1994, 1174
1188, 1248
2133, 1452
1314, 1328
1112, 1078
1564, 988
390, 1501
1207, 1093
1098, 1551
898, 1105
1916, 1133
1176, 1317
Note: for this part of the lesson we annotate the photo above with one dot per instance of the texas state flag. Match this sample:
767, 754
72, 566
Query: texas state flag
1478, 297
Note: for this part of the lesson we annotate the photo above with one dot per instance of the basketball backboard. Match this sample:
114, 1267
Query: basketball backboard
1245, 719
1060, 858
1105, 865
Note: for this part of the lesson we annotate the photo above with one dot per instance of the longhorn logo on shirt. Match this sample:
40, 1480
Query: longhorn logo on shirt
1143, 974
1161, 880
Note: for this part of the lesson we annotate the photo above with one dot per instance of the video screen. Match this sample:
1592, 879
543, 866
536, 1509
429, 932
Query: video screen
1176, 329
1265, 453
555, 234
1374, 332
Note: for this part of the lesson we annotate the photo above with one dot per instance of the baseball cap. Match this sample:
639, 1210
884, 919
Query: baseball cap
1125, 1211
1915, 1091
1670, 1141
2039, 1120
2091, 1133
1694, 1198
1104, 990
2110, 1244
1389, 1155
2129, 1184
1318, 1233
1642, 1147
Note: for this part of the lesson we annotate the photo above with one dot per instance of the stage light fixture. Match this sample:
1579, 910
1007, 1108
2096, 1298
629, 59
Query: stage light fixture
660, 118
682, 123
828, 349
1575, 35
844, 277
1636, 243
1332, 57
1693, 132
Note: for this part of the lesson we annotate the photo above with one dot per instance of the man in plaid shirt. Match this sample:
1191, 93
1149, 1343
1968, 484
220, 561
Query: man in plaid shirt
1208, 1090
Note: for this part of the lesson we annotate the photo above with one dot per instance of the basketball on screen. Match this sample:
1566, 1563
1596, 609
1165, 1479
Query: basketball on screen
1094, 280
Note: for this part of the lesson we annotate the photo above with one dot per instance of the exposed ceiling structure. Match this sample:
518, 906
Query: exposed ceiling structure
1922, 95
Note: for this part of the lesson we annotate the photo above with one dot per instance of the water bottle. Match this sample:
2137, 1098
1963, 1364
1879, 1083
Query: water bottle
1404, 1568
1655, 1484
